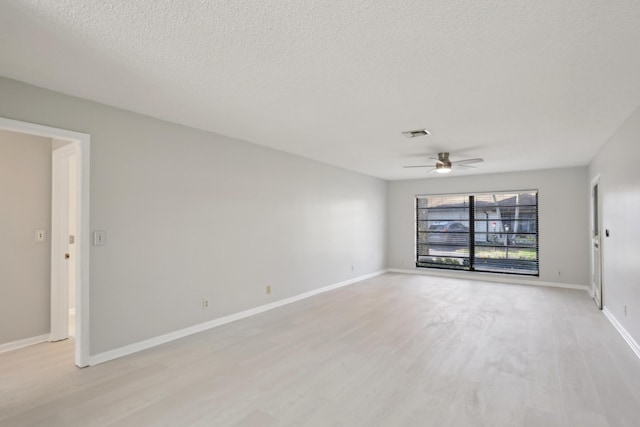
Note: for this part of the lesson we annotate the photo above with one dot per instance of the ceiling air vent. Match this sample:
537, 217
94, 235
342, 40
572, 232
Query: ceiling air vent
415, 133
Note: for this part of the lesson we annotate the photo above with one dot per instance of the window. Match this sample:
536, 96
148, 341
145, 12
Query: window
490, 232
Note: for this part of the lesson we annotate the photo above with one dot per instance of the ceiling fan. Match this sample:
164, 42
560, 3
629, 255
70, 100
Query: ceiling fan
444, 165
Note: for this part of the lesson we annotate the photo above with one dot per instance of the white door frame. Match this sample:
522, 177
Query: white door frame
596, 264
82, 242
61, 254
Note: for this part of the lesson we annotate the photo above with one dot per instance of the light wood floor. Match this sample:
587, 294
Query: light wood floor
396, 350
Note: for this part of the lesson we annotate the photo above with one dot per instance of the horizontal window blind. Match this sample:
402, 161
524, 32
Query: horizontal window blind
491, 232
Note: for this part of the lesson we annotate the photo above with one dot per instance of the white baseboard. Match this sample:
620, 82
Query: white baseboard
14, 345
627, 337
152, 342
488, 277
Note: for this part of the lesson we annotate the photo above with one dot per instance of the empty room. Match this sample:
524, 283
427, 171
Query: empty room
335, 213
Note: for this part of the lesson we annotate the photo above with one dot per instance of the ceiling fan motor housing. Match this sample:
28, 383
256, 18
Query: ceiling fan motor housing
444, 160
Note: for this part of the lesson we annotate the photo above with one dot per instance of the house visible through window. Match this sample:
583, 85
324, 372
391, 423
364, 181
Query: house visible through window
492, 232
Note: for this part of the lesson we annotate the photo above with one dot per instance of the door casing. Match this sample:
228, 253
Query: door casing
63, 225
82, 238
596, 243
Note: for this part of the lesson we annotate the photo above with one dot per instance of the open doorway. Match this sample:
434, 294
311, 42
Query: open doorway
69, 232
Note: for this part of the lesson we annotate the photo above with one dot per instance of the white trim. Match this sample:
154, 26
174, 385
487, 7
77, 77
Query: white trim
488, 277
40, 130
72, 311
82, 233
152, 342
83, 236
14, 345
67, 150
626, 335
60, 271
600, 300
472, 193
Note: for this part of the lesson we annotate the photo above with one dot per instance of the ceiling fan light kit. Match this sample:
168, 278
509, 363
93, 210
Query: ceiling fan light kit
442, 168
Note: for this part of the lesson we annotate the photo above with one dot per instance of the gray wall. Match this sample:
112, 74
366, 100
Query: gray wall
191, 215
617, 165
25, 205
563, 204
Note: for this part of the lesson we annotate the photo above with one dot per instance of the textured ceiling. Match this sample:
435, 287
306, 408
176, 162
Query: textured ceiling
523, 84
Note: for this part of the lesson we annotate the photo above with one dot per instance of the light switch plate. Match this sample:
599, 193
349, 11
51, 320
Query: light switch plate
99, 238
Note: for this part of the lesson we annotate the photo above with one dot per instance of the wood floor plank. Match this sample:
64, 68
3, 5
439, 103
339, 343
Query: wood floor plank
395, 350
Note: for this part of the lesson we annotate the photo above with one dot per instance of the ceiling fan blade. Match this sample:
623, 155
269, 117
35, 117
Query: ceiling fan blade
465, 166
418, 166
468, 161
438, 161
432, 170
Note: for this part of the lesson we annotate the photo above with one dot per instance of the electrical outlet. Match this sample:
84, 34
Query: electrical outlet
559, 272
268, 290
40, 235
205, 303
625, 310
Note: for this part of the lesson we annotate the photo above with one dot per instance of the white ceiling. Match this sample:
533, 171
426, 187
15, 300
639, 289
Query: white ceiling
523, 84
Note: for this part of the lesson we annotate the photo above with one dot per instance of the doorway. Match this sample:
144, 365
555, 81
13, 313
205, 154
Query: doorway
596, 242
70, 224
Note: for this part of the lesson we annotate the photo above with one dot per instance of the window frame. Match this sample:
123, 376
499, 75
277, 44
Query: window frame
472, 262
